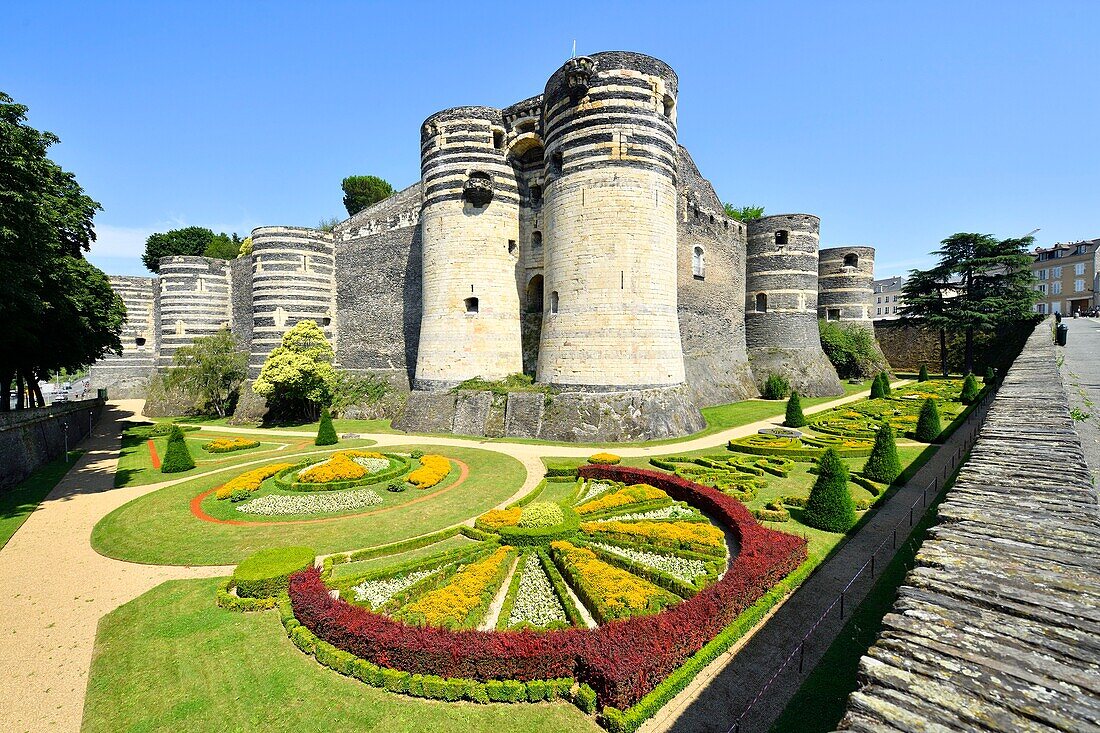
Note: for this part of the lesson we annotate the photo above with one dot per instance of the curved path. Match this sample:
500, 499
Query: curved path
54, 587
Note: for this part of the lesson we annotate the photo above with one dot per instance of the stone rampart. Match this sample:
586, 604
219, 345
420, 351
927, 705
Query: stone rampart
126, 375
31, 438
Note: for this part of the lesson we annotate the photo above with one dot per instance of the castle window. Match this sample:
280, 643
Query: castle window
832, 314
471, 306
698, 263
326, 321
851, 260
526, 126
556, 162
511, 246
140, 341
179, 328
536, 195
534, 295
761, 303
781, 237
554, 302
536, 239
498, 139
668, 106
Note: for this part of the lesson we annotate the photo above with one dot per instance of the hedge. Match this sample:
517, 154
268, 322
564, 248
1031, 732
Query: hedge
527, 536
622, 662
226, 599
285, 477
265, 574
559, 469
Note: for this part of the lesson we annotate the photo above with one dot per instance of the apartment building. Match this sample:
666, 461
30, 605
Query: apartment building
888, 298
1066, 276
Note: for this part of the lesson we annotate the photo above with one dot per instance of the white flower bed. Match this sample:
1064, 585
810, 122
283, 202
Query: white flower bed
674, 511
377, 592
536, 603
594, 489
319, 503
678, 567
373, 465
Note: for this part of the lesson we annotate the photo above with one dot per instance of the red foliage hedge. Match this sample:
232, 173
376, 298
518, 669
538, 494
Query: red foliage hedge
622, 660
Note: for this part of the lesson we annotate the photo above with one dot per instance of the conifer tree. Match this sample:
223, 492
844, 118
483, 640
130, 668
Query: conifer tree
795, 418
922, 376
876, 387
990, 376
969, 390
928, 424
830, 505
886, 389
176, 457
883, 464
326, 434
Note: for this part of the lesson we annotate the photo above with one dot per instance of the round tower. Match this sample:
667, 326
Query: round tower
781, 304
845, 293
292, 280
193, 302
469, 221
609, 225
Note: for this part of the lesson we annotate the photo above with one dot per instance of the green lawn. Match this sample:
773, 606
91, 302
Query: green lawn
159, 527
17, 503
171, 660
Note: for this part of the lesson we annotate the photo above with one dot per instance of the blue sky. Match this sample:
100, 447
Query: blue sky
897, 123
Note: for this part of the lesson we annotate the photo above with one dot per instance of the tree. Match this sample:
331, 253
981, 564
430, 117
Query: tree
223, 247
877, 391
979, 283
887, 390
745, 213
990, 376
177, 457
298, 373
969, 390
850, 348
883, 464
362, 191
830, 504
928, 422
58, 310
246, 247
189, 241
326, 434
922, 375
794, 417
211, 369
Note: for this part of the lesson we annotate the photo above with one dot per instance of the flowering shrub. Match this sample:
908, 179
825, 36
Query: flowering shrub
497, 518
325, 503
610, 592
623, 497
459, 602
228, 445
338, 468
433, 469
536, 602
621, 661
605, 458
250, 480
698, 536
541, 514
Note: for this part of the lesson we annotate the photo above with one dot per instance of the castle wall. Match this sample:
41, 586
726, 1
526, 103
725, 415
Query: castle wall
125, 376
845, 293
193, 301
292, 280
469, 232
240, 303
609, 214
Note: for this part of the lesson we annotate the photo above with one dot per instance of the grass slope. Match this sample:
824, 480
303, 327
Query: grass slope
171, 660
17, 503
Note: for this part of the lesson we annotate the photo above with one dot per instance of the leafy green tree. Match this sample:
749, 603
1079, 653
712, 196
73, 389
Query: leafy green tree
326, 433
969, 390
830, 505
850, 348
979, 284
177, 457
298, 373
212, 370
794, 417
877, 391
362, 191
928, 422
922, 375
58, 310
246, 247
744, 213
776, 387
188, 241
223, 247
883, 464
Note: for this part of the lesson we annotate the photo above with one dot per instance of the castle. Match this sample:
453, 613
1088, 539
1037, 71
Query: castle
567, 236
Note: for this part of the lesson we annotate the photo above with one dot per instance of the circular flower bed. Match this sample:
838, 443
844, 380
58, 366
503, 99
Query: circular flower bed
345, 469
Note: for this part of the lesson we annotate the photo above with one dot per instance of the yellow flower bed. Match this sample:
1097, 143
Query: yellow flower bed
338, 468
360, 454
497, 518
250, 480
433, 469
615, 593
607, 458
687, 535
451, 605
226, 445
622, 497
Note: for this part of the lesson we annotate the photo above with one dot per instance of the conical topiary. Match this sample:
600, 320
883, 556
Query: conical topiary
883, 464
969, 390
795, 418
886, 389
922, 375
990, 376
876, 387
928, 424
326, 434
830, 504
177, 457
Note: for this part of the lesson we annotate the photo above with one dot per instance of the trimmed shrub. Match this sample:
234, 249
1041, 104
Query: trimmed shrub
830, 504
990, 376
969, 390
922, 375
541, 514
876, 387
326, 434
776, 387
265, 573
928, 423
605, 458
887, 390
883, 465
559, 470
176, 458
795, 418
228, 445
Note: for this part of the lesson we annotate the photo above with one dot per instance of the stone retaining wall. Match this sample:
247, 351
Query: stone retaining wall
996, 628
30, 438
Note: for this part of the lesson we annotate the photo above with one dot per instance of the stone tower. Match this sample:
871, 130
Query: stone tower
469, 222
781, 304
844, 276
609, 218
193, 302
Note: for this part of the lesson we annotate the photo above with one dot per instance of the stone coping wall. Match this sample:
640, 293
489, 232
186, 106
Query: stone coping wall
997, 628
30, 438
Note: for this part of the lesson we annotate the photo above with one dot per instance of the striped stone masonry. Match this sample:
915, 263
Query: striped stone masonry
193, 302
998, 628
844, 276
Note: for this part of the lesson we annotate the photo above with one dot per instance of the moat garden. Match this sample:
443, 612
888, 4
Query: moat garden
395, 582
